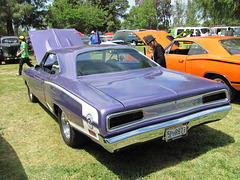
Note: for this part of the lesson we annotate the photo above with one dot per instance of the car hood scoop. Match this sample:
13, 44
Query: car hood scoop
154, 86
45, 40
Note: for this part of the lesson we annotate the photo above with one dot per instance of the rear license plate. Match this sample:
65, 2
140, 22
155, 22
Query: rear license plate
175, 132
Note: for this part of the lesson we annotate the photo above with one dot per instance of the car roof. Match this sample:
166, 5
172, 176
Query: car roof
86, 48
210, 43
9, 37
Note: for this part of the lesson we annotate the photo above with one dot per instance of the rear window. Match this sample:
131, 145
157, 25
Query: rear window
232, 46
110, 61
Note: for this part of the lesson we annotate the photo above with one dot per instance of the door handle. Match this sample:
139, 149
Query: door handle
180, 61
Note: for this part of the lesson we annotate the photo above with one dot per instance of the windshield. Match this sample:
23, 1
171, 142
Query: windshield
120, 35
231, 45
10, 40
111, 60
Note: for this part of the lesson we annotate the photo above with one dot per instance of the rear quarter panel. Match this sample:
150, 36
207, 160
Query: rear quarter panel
202, 65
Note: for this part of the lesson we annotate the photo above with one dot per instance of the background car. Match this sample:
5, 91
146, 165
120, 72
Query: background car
132, 38
201, 30
85, 39
104, 38
8, 47
115, 95
216, 58
221, 30
125, 37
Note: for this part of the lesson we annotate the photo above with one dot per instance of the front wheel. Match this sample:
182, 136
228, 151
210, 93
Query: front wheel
232, 91
1, 58
71, 137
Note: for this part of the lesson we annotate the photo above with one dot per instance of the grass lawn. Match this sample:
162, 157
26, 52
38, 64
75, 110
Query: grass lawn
31, 146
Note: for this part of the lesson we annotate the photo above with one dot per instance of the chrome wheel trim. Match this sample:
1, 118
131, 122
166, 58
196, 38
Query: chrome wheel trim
30, 95
65, 125
219, 80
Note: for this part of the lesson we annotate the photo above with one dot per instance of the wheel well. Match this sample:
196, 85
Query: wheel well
56, 110
212, 75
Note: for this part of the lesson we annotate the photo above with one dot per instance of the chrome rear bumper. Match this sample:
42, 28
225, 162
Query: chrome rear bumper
157, 130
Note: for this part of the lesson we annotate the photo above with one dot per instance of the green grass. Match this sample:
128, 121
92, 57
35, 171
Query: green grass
31, 146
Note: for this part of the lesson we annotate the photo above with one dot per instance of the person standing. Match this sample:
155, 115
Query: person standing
24, 55
158, 51
229, 32
92, 37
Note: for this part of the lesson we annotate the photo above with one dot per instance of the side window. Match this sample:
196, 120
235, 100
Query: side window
196, 49
187, 48
180, 47
51, 65
179, 31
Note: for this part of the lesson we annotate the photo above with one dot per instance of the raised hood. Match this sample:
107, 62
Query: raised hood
45, 40
162, 37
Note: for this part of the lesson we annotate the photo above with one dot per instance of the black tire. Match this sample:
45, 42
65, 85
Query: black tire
1, 58
232, 91
31, 96
71, 137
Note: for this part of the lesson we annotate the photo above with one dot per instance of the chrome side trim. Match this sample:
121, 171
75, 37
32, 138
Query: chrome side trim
157, 130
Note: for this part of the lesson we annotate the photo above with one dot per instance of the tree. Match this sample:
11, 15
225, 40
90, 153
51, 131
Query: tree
21, 13
178, 15
115, 10
78, 14
222, 12
192, 14
163, 13
142, 17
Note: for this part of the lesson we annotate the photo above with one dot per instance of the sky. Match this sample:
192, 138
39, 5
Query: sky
131, 2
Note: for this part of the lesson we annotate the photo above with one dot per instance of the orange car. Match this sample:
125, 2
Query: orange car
213, 57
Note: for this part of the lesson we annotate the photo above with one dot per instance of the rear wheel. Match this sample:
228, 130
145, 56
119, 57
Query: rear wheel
233, 92
71, 137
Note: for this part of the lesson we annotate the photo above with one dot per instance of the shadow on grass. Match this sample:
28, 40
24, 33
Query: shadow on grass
237, 100
10, 165
144, 159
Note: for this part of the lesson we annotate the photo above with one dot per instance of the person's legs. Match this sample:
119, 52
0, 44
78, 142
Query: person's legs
27, 60
20, 66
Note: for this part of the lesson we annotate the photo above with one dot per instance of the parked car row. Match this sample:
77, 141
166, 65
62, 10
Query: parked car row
115, 95
221, 30
204, 31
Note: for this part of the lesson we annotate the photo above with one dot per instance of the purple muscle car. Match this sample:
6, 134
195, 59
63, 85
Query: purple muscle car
114, 94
